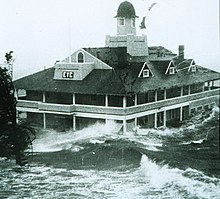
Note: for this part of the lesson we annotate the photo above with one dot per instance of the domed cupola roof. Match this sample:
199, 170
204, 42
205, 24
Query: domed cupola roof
126, 9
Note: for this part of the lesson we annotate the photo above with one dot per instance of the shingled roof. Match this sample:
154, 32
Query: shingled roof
122, 79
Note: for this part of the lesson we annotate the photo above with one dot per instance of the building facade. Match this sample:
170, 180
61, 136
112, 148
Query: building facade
126, 81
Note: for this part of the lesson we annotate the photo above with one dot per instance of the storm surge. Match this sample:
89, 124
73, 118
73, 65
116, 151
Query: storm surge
97, 162
195, 144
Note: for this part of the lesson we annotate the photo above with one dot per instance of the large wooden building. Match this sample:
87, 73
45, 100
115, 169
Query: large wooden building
126, 81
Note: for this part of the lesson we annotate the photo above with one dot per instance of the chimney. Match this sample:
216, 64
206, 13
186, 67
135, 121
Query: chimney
181, 52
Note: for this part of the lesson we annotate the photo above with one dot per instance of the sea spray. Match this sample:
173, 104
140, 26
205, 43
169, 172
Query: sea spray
150, 163
189, 183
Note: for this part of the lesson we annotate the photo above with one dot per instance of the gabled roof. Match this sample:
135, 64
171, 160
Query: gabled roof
171, 64
183, 64
121, 79
97, 82
160, 53
161, 66
114, 57
182, 78
144, 67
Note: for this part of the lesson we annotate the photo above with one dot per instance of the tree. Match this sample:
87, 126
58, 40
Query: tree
14, 138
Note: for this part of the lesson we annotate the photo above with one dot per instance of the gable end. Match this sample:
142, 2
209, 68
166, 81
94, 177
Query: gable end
171, 69
145, 71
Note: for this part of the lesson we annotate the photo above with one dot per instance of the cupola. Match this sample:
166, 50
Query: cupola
126, 19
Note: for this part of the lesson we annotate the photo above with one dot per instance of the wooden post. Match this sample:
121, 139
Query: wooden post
165, 94
155, 96
165, 118
135, 100
74, 99
124, 126
44, 97
124, 102
189, 92
203, 87
74, 123
106, 100
135, 124
181, 91
44, 121
155, 120
181, 113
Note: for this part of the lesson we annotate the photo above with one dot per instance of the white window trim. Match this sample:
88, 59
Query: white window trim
168, 68
119, 21
172, 70
83, 57
142, 69
192, 65
147, 74
193, 68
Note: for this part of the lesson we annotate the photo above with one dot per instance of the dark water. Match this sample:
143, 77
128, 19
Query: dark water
97, 163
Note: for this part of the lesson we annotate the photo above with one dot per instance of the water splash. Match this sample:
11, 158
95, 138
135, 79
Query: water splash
189, 183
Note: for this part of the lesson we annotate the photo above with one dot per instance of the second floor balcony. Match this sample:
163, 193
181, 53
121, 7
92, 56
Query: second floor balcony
38, 106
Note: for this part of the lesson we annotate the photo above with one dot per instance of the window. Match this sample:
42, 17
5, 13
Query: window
146, 73
206, 107
133, 23
193, 111
193, 68
80, 57
121, 21
199, 108
171, 70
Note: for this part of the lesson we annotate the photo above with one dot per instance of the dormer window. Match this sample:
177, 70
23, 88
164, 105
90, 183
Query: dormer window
80, 57
193, 68
146, 73
121, 22
171, 71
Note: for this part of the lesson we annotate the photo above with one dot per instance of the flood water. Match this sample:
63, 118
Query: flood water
98, 163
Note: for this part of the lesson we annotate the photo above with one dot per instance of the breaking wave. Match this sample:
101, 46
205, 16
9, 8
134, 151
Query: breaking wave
97, 162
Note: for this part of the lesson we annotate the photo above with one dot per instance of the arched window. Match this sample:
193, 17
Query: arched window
80, 57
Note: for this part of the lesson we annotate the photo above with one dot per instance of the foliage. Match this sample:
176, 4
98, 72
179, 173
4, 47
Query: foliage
14, 138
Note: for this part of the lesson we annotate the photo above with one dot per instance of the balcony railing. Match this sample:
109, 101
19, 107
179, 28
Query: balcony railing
77, 108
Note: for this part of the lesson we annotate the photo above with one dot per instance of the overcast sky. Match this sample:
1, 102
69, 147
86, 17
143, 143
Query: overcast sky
38, 31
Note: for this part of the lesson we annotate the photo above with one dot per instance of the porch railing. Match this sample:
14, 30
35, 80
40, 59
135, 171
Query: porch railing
49, 107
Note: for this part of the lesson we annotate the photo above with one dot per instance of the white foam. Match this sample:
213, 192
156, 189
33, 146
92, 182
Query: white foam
163, 176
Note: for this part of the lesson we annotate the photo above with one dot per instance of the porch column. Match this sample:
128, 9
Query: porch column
124, 126
181, 113
106, 121
203, 87
106, 100
44, 97
155, 96
124, 102
135, 100
74, 123
74, 99
189, 91
165, 93
16, 94
181, 91
155, 120
44, 120
165, 118
212, 83
135, 123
